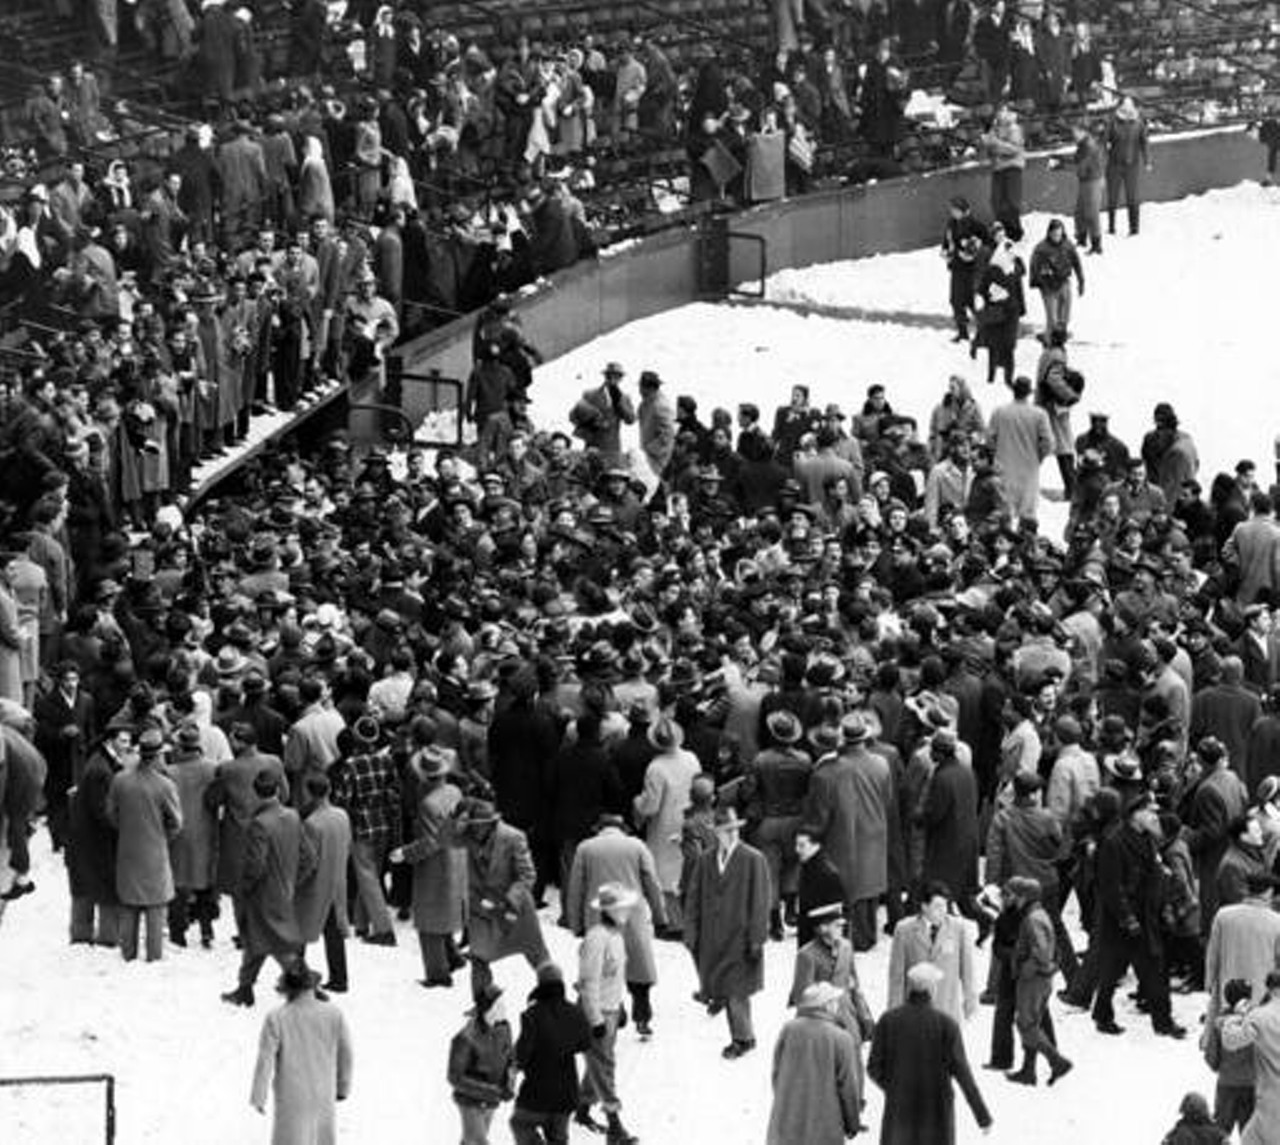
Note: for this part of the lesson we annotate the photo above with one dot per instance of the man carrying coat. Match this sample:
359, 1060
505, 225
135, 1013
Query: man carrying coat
143, 806
278, 855
726, 925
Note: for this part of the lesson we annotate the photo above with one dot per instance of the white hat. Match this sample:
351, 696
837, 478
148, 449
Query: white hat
819, 995
924, 977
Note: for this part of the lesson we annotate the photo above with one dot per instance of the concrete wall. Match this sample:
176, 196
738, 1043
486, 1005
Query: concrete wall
661, 272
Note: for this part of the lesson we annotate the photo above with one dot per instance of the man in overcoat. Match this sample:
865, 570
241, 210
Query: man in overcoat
937, 936
439, 868
91, 842
278, 855
64, 718
613, 856
143, 805
916, 1053
726, 925
321, 901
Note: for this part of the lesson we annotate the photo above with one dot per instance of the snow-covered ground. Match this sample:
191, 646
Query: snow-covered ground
1185, 313
183, 1058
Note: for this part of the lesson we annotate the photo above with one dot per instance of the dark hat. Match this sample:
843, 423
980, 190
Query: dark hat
853, 729
824, 738
726, 818
485, 997
649, 380
665, 734
188, 736
150, 742
1026, 783
473, 812
549, 972
432, 762
297, 977
614, 370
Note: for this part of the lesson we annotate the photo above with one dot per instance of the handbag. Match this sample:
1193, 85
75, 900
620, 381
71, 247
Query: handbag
720, 163
800, 150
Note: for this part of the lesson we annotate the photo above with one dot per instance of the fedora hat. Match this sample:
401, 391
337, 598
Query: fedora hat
665, 734
819, 995
853, 728
784, 728
188, 737
481, 691
431, 762
614, 896
824, 739
474, 812
230, 661
151, 742
1123, 766
726, 818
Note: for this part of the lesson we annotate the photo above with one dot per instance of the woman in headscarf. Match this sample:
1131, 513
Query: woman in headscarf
1000, 288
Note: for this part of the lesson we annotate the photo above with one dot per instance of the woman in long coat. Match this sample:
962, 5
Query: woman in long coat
815, 1097
304, 1059
439, 871
661, 806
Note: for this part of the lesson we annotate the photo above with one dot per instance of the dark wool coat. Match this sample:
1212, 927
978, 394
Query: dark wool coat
329, 830
91, 843
815, 1093
278, 855
820, 884
584, 783
850, 800
143, 805
1219, 798
233, 794
1129, 885
522, 743
552, 1031
915, 1053
1229, 712
63, 749
726, 922
440, 869
1262, 756
951, 828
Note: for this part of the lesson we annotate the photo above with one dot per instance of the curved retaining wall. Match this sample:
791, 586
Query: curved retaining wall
661, 272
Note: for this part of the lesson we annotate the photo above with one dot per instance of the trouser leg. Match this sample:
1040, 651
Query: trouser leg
108, 932
250, 968
130, 919
1153, 983
1002, 1020
1132, 195
601, 1067
862, 920
1113, 961
335, 949
81, 919
476, 1120
371, 904
741, 1028
481, 975
641, 1007
155, 919
1068, 963
435, 956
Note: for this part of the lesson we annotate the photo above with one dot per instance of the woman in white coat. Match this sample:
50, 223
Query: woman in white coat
304, 1059
660, 807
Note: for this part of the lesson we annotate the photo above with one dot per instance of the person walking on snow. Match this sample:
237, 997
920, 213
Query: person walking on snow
1053, 263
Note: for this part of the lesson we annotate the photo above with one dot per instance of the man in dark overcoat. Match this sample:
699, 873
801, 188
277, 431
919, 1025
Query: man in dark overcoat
64, 719
950, 821
91, 843
916, 1053
726, 925
321, 901
278, 856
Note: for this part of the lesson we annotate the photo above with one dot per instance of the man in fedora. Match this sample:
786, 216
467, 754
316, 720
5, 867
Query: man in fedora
726, 925
321, 901
367, 783
602, 974
439, 872
598, 416
502, 919
143, 806
613, 857
312, 743
850, 801
775, 786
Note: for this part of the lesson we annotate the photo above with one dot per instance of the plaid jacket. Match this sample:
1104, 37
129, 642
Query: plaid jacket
367, 787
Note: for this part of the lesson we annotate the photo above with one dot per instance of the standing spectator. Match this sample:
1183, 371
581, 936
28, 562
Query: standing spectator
1005, 149
278, 855
304, 1059
600, 413
915, 1054
482, 1065
1169, 453
242, 172
1218, 800
1021, 438
949, 816
1234, 1095
321, 900
937, 936
439, 874
312, 743
726, 926
1003, 304
216, 51
65, 724
602, 970
819, 884
815, 1070
553, 1032
11, 637
656, 418
660, 807
143, 806
1260, 1028
367, 785
193, 853
1252, 551
1053, 263
92, 841
1126, 158
1088, 162
617, 859
1194, 1126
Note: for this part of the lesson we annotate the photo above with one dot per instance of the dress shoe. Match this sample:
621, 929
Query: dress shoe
582, 1116
1108, 1028
386, 938
714, 1006
17, 891
959, 336
336, 987
1023, 1076
1060, 1070
1171, 1030
1000, 1066
432, 983
1067, 999
240, 996
736, 1049
645, 1030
